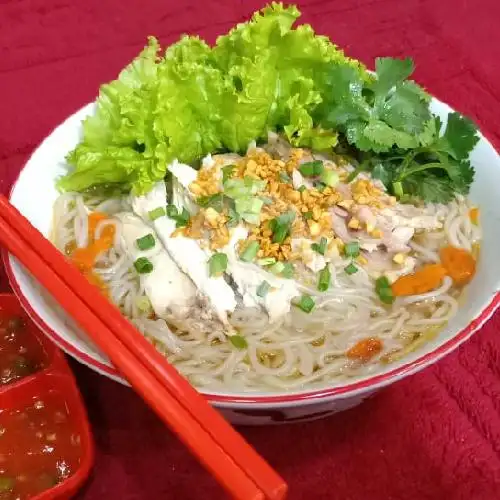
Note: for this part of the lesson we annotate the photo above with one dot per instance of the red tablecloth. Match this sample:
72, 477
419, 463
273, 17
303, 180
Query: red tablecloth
434, 435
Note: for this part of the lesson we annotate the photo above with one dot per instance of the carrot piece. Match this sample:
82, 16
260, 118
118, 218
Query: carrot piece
424, 280
93, 220
459, 263
474, 215
85, 258
365, 349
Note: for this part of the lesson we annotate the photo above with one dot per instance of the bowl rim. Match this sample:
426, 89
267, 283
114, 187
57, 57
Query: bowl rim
368, 384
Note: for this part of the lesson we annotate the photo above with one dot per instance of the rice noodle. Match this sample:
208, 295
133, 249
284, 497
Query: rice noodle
302, 349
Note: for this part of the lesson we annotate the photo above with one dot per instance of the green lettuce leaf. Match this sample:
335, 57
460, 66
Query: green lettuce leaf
119, 145
263, 75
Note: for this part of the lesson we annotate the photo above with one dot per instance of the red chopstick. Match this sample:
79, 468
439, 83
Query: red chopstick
231, 460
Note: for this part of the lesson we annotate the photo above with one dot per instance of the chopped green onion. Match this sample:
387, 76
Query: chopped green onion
234, 217
215, 201
217, 264
288, 270
238, 341
351, 249
312, 168
251, 218
172, 211
330, 178
277, 268
281, 225
308, 215
280, 234
237, 188
398, 189
6, 484
351, 269
266, 261
267, 200
146, 242
325, 277
227, 172
284, 177
255, 185
306, 303
250, 252
143, 304
320, 186
248, 204
182, 219
321, 246
263, 289
301, 189
143, 265
156, 213
384, 290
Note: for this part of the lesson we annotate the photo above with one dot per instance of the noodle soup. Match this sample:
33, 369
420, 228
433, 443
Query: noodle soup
260, 273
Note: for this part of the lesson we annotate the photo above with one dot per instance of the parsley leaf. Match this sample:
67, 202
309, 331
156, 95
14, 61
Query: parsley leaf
459, 137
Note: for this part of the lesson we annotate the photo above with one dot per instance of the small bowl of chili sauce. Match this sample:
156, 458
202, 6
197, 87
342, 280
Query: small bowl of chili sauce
46, 449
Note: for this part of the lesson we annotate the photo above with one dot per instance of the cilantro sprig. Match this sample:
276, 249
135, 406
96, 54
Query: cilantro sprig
387, 125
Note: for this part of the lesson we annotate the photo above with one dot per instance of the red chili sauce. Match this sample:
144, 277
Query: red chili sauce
38, 447
20, 352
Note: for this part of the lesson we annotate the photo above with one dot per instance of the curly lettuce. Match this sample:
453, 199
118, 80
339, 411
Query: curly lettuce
263, 75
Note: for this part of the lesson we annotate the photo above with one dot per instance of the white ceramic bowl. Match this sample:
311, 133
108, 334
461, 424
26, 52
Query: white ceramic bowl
34, 194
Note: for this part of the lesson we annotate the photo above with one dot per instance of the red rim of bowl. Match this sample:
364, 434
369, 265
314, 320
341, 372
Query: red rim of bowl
344, 391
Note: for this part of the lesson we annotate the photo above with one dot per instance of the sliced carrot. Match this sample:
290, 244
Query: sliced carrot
93, 220
459, 263
424, 280
85, 258
474, 215
365, 349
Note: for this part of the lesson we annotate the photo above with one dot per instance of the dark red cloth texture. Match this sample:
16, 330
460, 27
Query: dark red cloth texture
434, 435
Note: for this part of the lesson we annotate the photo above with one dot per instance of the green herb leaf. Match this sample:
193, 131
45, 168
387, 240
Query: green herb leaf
459, 138
217, 264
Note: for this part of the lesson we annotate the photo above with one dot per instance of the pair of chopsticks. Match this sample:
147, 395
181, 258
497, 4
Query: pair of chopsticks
232, 461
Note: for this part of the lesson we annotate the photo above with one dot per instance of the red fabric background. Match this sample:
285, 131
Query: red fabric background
434, 435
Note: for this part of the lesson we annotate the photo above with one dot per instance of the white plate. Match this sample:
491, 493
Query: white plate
34, 194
